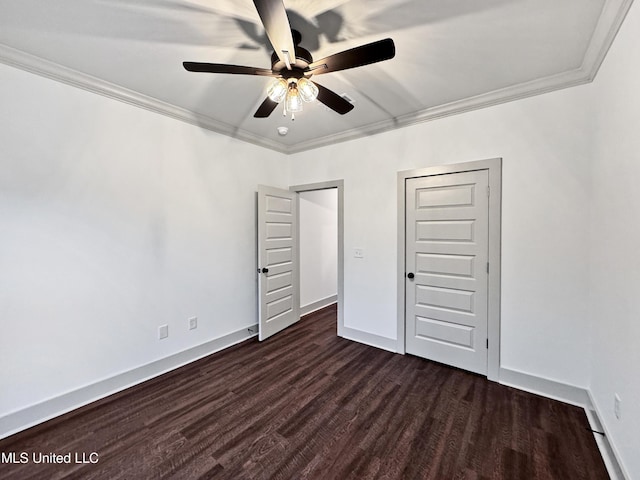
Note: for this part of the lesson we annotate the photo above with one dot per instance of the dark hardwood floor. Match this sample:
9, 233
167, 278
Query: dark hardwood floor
307, 404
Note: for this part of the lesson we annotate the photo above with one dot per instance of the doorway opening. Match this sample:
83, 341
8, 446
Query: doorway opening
321, 247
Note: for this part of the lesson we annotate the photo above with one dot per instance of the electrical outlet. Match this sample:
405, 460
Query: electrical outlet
163, 331
358, 253
617, 406
193, 323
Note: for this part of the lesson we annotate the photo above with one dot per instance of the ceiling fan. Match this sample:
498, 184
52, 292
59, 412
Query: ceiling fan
292, 65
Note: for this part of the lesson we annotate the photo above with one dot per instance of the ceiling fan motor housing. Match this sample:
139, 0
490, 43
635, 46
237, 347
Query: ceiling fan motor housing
303, 59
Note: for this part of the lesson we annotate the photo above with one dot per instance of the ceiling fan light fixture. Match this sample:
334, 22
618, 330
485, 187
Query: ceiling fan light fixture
294, 101
308, 90
277, 90
290, 63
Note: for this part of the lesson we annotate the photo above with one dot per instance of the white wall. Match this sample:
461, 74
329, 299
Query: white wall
614, 301
318, 245
545, 142
113, 221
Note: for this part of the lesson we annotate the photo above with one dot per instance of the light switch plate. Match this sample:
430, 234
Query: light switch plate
163, 331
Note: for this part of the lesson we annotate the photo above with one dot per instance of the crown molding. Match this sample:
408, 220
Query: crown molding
611, 18
45, 68
496, 97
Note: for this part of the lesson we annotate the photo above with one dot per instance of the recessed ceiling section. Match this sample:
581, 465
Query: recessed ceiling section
450, 56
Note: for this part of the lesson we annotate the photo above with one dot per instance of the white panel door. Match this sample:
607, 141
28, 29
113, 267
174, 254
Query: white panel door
278, 289
447, 222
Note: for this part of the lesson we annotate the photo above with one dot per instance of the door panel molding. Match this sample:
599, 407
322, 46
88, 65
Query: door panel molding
446, 315
278, 290
494, 168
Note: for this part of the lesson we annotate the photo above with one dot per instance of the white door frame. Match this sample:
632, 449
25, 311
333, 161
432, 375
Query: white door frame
339, 185
494, 166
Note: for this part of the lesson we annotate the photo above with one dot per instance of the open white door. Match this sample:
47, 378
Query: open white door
278, 287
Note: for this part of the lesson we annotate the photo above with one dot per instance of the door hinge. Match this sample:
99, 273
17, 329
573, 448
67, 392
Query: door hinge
488, 191
487, 343
487, 267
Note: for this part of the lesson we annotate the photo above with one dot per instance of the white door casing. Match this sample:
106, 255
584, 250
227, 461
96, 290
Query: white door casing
278, 286
339, 186
447, 222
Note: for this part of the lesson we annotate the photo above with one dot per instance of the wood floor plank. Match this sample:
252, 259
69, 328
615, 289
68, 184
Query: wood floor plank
306, 404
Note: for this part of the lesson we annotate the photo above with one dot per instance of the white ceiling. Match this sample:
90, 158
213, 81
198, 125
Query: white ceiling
451, 56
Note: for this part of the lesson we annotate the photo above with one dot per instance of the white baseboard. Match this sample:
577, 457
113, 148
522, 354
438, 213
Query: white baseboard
370, 339
605, 443
543, 386
573, 395
35, 414
317, 305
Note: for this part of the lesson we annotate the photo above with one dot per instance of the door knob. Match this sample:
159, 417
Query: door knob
410, 275
265, 270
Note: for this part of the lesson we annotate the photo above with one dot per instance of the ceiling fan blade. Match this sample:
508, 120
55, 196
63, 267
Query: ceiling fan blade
276, 25
333, 100
265, 109
223, 68
355, 57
